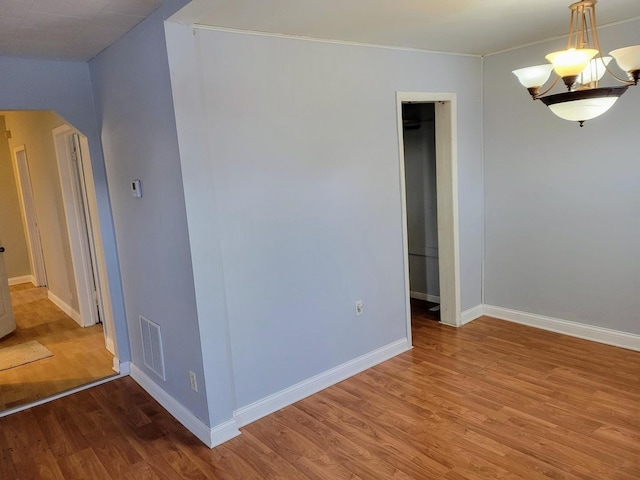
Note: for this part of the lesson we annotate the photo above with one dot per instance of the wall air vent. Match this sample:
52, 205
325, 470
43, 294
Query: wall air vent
152, 346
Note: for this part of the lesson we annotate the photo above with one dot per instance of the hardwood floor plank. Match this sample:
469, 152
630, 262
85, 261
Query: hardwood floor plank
83, 464
385, 443
492, 400
262, 459
297, 449
356, 458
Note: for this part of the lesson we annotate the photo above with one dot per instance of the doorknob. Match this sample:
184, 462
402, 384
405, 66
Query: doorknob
1, 249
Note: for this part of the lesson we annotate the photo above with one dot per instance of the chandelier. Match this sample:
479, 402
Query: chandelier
581, 67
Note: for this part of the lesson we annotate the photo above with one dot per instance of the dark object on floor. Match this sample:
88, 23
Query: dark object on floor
421, 310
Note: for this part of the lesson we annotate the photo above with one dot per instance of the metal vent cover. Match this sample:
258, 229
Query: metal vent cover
152, 346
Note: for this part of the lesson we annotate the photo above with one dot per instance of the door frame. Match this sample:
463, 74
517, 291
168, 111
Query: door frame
78, 241
447, 197
29, 215
7, 320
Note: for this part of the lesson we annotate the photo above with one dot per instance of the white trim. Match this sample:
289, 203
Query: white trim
290, 395
472, 314
483, 238
209, 436
29, 215
200, 26
66, 393
403, 213
65, 307
23, 279
124, 368
447, 192
85, 241
574, 329
110, 346
425, 296
104, 290
75, 222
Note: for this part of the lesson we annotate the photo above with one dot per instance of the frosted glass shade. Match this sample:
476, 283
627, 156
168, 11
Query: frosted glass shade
569, 63
583, 105
595, 70
582, 110
628, 58
531, 77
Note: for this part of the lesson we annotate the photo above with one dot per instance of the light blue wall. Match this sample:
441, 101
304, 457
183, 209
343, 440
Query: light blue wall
301, 162
65, 87
137, 126
562, 223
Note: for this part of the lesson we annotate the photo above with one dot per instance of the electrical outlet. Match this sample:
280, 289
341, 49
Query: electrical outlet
192, 380
359, 308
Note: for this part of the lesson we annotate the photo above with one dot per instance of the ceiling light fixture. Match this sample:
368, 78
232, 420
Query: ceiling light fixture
581, 66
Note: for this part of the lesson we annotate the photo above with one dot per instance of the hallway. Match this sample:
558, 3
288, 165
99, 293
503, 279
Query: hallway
79, 354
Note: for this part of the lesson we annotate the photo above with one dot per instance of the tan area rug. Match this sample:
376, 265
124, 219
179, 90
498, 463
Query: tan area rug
17, 355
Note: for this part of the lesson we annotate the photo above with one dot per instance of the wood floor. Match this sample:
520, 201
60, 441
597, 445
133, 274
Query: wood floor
491, 400
79, 354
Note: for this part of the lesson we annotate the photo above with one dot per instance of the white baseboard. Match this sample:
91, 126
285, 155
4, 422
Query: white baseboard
66, 308
580, 330
209, 436
425, 296
290, 395
471, 314
22, 279
123, 368
108, 343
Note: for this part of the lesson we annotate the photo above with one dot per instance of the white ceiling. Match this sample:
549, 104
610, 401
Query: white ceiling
67, 29
80, 29
462, 26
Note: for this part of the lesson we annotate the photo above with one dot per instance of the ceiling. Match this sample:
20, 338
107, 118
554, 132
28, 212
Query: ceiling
461, 26
67, 29
80, 29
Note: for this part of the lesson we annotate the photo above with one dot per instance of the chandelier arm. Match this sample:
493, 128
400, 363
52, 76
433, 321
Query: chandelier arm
596, 42
621, 80
594, 30
572, 25
537, 97
590, 24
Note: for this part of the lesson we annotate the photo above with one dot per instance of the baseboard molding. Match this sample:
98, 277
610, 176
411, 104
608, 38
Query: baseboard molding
123, 368
108, 343
209, 436
22, 279
425, 296
471, 314
580, 330
290, 395
66, 308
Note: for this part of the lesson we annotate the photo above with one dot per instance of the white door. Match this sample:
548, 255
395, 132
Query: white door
31, 219
86, 220
7, 323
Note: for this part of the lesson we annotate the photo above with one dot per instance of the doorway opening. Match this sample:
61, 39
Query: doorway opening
428, 176
69, 314
25, 188
418, 124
